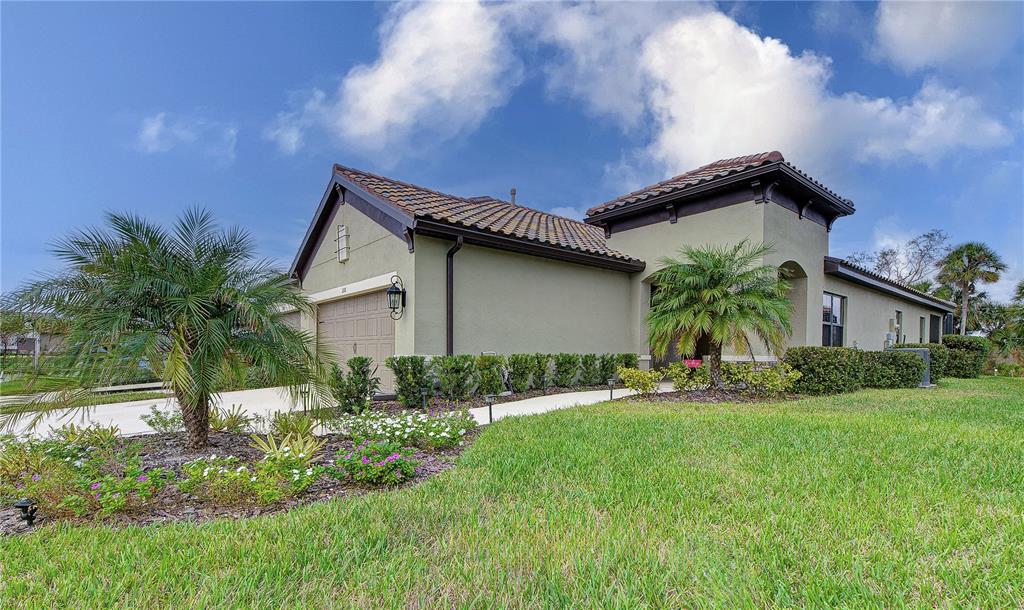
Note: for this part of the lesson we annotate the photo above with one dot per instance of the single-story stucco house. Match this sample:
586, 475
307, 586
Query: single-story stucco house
486, 275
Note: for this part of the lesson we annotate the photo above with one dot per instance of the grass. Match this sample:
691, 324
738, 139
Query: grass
875, 499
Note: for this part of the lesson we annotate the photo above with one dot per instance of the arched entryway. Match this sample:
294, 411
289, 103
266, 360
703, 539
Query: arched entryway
792, 272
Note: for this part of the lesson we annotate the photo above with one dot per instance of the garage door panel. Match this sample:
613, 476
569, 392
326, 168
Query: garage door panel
360, 326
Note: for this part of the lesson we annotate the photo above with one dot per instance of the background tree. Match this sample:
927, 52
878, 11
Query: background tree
964, 268
910, 263
13, 326
722, 293
192, 303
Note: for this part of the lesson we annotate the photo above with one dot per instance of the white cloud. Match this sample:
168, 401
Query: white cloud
569, 212
163, 132
1003, 290
915, 35
717, 89
442, 68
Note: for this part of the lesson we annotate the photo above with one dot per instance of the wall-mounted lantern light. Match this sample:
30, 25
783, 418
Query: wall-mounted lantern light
396, 297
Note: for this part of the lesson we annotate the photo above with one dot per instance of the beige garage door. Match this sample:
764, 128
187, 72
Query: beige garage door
362, 326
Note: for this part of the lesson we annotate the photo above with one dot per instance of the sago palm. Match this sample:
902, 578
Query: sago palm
192, 303
724, 294
965, 267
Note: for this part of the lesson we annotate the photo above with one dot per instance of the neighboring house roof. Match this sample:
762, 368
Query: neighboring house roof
706, 173
485, 214
848, 271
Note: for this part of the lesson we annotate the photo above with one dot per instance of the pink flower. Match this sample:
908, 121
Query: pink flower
97, 495
366, 460
36, 477
141, 478
95, 486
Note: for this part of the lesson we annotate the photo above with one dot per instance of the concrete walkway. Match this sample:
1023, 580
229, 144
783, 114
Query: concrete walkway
266, 401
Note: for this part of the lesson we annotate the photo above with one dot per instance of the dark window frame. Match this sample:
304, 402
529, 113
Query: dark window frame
833, 330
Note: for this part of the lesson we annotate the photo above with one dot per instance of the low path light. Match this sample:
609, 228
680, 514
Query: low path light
611, 385
489, 399
425, 393
28, 508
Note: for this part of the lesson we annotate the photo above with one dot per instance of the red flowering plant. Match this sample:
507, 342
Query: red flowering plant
376, 463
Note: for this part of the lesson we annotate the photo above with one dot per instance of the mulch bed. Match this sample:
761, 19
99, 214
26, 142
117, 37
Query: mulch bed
438, 404
707, 396
171, 504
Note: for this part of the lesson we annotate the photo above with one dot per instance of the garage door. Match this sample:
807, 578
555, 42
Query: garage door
360, 326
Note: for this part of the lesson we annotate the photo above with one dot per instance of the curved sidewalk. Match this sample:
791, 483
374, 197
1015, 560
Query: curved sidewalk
266, 401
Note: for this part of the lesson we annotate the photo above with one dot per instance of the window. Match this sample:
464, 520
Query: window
922, 329
900, 338
342, 243
833, 318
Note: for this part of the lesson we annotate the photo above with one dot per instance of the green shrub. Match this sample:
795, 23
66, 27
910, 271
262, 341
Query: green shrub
226, 480
455, 375
354, 390
164, 422
825, 370
491, 371
938, 358
966, 355
772, 380
737, 374
685, 379
289, 423
93, 435
566, 368
628, 361
541, 371
519, 368
1004, 369
606, 365
234, 420
412, 377
376, 463
590, 373
644, 383
891, 369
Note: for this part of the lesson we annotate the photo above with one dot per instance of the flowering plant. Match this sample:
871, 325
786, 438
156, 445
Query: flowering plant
377, 463
429, 431
227, 480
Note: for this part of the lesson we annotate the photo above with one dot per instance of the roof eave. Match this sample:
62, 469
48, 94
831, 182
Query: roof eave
435, 228
840, 206
841, 269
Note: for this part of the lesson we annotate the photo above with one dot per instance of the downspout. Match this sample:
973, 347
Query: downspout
450, 298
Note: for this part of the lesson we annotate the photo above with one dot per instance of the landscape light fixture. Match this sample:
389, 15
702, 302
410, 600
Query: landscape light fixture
611, 385
425, 393
489, 399
396, 297
28, 508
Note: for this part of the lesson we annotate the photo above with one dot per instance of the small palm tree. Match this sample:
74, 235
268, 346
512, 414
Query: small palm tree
191, 304
721, 293
965, 267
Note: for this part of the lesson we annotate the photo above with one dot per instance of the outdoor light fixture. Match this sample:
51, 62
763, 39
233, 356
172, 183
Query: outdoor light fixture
305, 399
489, 399
28, 510
396, 297
611, 385
425, 393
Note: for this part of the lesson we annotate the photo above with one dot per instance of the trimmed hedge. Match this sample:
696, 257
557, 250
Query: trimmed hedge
519, 368
891, 369
825, 370
490, 368
939, 355
590, 374
412, 376
966, 355
566, 367
455, 375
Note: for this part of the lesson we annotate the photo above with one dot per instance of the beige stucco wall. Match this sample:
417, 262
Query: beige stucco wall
727, 225
868, 313
508, 303
373, 251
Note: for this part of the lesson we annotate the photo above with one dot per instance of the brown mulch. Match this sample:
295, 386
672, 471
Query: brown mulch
171, 504
707, 396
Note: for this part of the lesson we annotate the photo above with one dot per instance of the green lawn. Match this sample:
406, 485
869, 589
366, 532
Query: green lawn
874, 499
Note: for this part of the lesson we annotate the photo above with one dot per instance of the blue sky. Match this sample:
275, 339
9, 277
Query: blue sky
915, 111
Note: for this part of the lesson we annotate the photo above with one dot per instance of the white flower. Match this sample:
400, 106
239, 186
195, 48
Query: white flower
213, 456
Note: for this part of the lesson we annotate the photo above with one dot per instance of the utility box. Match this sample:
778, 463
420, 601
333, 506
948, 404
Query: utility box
925, 354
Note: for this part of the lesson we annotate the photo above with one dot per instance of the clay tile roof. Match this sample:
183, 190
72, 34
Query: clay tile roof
486, 214
705, 173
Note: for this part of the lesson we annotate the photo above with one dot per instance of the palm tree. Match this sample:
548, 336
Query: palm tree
966, 266
721, 293
192, 304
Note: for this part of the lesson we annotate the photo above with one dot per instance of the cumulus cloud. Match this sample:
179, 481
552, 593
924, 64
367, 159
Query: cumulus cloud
163, 132
915, 35
442, 68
